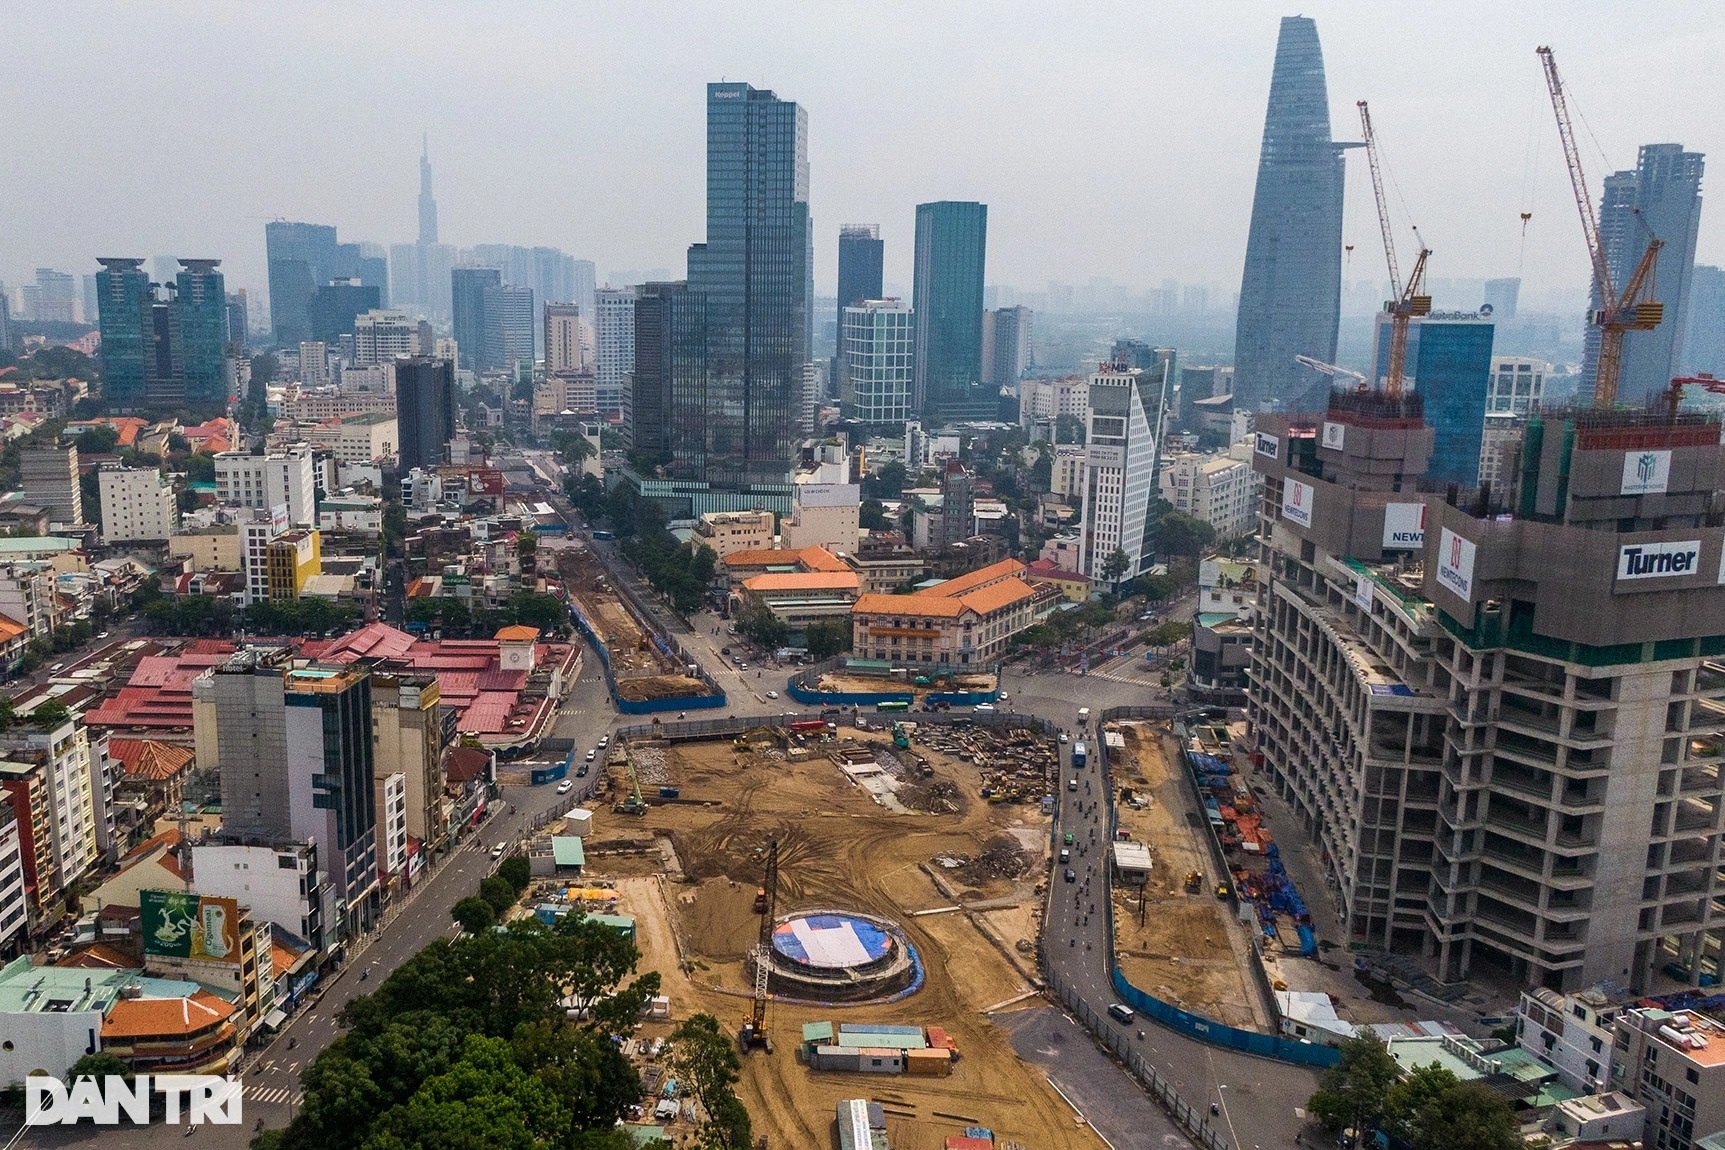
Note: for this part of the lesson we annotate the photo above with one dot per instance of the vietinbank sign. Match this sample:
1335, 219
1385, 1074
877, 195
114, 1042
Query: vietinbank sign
203, 1097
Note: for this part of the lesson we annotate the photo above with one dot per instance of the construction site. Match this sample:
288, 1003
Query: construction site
1176, 936
773, 842
861, 676
643, 666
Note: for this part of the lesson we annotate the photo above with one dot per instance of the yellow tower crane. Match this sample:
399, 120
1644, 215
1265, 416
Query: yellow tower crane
1410, 300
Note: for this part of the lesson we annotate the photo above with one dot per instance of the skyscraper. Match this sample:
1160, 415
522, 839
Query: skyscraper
1449, 365
1006, 353
1290, 293
861, 255
124, 317
734, 423
424, 410
1660, 198
563, 338
427, 205
661, 310
301, 256
198, 332
467, 304
951, 251
877, 346
506, 335
335, 306
613, 345
1704, 343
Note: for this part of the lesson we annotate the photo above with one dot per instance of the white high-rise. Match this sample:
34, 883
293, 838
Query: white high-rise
563, 350
137, 504
268, 481
380, 336
879, 368
614, 345
1126, 409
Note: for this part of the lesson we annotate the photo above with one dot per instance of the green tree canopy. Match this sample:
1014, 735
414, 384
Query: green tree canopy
474, 913
704, 1058
1353, 1091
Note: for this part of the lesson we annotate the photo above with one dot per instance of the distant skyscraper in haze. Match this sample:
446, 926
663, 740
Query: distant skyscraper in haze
734, 415
507, 337
198, 332
1704, 342
1501, 296
424, 410
1660, 198
1290, 293
467, 304
861, 255
427, 205
1006, 349
563, 338
124, 318
951, 253
300, 259
1449, 365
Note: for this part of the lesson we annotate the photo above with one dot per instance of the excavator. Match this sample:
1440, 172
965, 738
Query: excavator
634, 805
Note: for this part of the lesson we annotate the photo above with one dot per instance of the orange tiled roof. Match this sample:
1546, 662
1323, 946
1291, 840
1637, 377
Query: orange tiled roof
801, 581
953, 588
914, 606
100, 956
164, 1017
517, 634
10, 629
150, 758
820, 559
763, 558
996, 595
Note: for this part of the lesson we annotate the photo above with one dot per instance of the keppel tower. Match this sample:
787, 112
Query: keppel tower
1290, 294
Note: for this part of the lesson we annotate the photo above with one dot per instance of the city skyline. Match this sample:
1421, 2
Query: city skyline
1025, 148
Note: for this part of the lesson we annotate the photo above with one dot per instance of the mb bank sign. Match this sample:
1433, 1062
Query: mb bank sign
204, 1098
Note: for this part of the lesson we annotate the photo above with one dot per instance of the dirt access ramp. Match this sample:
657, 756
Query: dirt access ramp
838, 848
642, 671
1184, 947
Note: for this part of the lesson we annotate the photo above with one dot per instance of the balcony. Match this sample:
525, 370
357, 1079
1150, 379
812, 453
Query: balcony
1518, 892
1534, 752
1535, 785
1699, 780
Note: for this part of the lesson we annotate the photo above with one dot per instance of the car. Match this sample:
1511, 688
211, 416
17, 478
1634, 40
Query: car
742, 666
565, 787
1071, 875
581, 771
1065, 854
604, 741
772, 694
1068, 840
56, 668
1121, 1012
1063, 736
102, 635
497, 851
591, 755
724, 650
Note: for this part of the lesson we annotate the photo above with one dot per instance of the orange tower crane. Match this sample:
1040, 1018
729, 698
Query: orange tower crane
1409, 301
1674, 393
1633, 308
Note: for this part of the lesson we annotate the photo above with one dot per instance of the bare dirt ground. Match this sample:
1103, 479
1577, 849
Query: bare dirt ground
867, 683
1187, 951
642, 671
838, 848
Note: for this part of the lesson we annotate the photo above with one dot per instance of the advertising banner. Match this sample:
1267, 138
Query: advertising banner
1268, 445
180, 924
1658, 560
1404, 526
1335, 435
1455, 564
1297, 502
1646, 472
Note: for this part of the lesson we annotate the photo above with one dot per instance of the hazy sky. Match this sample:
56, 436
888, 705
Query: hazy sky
1108, 139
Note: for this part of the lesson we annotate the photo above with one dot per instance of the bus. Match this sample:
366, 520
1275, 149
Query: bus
1079, 755
604, 536
895, 705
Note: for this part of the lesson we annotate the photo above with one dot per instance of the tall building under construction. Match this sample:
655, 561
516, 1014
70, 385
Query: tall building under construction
1501, 718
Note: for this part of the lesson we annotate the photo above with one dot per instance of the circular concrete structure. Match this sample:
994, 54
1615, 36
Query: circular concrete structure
839, 956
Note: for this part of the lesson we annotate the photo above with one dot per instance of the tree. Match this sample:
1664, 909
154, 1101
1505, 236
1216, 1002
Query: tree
705, 1059
1180, 534
498, 893
1068, 429
516, 871
1353, 1091
49, 716
485, 1099
98, 1066
829, 637
1467, 1116
97, 440
474, 914
757, 621
1116, 565
871, 516
887, 483
587, 493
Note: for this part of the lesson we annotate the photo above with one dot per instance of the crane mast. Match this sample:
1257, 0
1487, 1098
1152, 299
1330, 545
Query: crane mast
754, 1035
1632, 309
1407, 301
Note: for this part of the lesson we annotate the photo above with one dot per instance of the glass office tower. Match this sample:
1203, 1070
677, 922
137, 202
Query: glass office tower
1449, 365
951, 250
198, 327
124, 304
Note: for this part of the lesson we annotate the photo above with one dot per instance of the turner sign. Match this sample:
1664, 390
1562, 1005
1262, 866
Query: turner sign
207, 1098
1658, 560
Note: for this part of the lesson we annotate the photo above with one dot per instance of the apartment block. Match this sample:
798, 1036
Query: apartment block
1221, 489
1501, 722
138, 503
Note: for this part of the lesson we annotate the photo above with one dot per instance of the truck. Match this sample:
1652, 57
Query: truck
1080, 754
1084, 716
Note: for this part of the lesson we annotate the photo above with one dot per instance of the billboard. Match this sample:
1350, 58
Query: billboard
1455, 564
1363, 591
181, 924
1335, 435
1297, 502
1658, 560
1645, 472
1404, 526
1268, 445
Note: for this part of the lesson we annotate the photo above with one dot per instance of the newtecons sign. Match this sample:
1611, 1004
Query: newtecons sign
1455, 564
1404, 526
1297, 502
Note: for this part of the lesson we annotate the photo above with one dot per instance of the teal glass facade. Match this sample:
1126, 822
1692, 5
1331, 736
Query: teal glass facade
124, 305
951, 254
1448, 366
198, 327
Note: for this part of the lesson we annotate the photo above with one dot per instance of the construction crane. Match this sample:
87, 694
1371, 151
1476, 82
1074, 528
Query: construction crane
1332, 370
1674, 393
1633, 308
1409, 301
754, 1035
634, 804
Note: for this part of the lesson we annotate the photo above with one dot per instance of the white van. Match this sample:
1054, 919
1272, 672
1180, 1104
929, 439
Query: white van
984, 708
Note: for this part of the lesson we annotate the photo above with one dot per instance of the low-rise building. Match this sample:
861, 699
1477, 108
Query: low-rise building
799, 599
730, 532
824, 515
208, 548
961, 624
1072, 586
362, 514
362, 438
882, 569
1572, 1033
1221, 489
1599, 1118
1673, 1063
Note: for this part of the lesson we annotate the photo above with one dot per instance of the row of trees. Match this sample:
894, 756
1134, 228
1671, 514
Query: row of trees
497, 894
458, 619
1428, 1108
